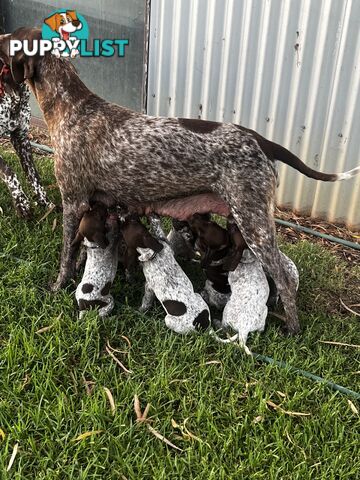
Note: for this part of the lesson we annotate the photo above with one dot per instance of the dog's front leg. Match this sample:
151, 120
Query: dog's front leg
71, 221
21, 202
21, 143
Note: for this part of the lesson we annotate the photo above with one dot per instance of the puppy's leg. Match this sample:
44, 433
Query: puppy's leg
21, 202
71, 221
105, 311
22, 146
147, 299
253, 213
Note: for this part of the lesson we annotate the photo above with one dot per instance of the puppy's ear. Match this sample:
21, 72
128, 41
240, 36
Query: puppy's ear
77, 240
207, 257
232, 261
130, 259
100, 239
151, 242
53, 22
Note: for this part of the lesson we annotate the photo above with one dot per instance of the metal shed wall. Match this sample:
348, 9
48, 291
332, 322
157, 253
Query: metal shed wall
289, 69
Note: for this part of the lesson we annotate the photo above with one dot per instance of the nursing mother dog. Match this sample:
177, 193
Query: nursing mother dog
170, 166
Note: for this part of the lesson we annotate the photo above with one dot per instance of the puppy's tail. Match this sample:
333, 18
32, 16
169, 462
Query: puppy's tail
232, 339
285, 156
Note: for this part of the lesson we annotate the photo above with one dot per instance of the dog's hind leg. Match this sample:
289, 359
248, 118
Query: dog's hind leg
72, 214
252, 204
21, 202
21, 143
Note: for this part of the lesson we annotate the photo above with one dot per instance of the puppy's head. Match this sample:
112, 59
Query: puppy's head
210, 233
93, 226
136, 235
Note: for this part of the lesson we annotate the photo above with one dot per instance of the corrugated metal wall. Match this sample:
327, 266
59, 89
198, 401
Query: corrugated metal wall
289, 69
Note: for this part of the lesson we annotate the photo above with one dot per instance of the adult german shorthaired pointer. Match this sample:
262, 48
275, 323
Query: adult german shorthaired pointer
171, 166
14, 121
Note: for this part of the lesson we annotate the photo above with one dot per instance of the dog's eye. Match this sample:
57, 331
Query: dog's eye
69, 19
62, 21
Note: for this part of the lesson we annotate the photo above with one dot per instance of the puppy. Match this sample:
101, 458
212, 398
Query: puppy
100, 233
92, 226
246, 310
182, 240
213, 243
185, 310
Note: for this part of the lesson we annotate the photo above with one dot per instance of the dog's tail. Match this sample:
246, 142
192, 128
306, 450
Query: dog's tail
285, 156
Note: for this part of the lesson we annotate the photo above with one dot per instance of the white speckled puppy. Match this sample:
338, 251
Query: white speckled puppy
101, 261
246, 311
185, 310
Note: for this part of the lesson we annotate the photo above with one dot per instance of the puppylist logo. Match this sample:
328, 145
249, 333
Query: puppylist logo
65, 33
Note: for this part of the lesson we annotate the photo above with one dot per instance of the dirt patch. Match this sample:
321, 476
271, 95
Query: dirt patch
291, 235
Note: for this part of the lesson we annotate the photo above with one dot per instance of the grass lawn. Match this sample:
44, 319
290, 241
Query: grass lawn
210, 400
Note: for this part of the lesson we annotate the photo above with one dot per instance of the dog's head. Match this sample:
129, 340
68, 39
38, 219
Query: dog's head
64, 23
136, 235
94, 226
22, 67
7, 84
211, 237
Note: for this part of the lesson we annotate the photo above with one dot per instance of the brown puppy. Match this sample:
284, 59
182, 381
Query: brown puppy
211, 238
93, 226
135, 235
238, 245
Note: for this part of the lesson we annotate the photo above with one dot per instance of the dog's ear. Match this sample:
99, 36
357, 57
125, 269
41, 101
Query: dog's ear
72, 14
100, 239
130, 259
232, 261
53, 21
207, 257
77, 240
23, 66
151, 242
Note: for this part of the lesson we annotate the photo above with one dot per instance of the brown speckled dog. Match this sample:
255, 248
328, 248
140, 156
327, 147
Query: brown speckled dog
172, 166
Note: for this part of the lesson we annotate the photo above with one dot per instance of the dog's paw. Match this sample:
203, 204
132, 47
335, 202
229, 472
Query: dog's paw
23, 210
56, 52
74, 53
144, 308
291, 329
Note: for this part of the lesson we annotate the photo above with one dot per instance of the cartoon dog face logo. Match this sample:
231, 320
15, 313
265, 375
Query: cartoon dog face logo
64, 24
